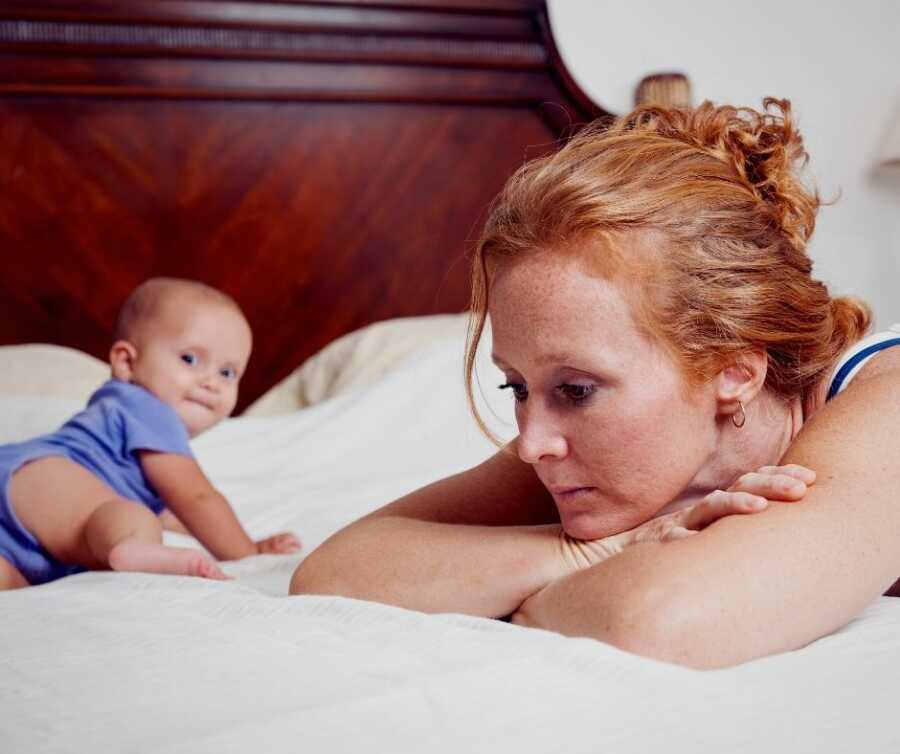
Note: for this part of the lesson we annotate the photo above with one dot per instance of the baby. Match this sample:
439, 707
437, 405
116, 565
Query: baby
88, 496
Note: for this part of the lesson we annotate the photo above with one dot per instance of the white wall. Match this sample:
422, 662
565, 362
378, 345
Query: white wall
839, 64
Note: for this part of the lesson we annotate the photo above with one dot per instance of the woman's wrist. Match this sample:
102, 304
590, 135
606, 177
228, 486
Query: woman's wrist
580, 554
562, 556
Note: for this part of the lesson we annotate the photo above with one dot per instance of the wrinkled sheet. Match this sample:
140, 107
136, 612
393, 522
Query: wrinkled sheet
144, 663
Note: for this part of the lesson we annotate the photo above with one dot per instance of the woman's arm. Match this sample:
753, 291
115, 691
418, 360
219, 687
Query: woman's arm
479, 542
205, 512
485, 540
752, 586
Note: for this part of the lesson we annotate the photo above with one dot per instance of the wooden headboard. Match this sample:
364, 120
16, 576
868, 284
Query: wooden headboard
326, 163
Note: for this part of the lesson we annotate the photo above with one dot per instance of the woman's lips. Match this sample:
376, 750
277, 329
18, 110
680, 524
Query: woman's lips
570, 492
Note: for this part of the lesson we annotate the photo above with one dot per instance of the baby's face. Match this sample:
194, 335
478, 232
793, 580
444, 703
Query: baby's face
192, 357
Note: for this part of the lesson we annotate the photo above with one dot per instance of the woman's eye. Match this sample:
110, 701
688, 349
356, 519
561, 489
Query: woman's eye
189, 358
576, 393
229, 373
520, 392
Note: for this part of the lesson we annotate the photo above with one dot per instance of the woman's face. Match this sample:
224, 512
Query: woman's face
605, 416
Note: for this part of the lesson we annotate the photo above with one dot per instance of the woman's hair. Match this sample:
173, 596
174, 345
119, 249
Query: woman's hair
721, 221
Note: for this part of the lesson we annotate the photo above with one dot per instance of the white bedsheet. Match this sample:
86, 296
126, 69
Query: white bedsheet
134, 662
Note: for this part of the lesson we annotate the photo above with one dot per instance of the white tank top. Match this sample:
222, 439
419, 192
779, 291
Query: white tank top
857, 355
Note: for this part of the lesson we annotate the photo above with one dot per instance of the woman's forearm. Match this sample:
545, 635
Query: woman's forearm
435, 567
745, 588
621, 601
479, 542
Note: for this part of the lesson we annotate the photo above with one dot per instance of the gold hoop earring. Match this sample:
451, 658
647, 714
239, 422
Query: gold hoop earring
739, 417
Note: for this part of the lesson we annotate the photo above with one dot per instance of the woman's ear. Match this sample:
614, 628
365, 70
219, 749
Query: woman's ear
122, 356
740, 381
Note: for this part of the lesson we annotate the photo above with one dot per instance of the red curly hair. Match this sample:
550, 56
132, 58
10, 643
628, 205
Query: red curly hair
717, 191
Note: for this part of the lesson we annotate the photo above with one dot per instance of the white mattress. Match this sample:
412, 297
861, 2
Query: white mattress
134, 662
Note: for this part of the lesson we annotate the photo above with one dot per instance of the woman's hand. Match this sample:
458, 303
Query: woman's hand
751, 493
278, 544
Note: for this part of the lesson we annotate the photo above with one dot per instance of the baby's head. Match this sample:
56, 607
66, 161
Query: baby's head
185, 342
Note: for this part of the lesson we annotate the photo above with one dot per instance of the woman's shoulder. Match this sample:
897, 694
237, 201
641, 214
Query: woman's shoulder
883, 362
862, 409
874, 355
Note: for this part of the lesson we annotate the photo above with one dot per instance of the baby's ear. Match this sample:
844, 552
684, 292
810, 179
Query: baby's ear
122, 356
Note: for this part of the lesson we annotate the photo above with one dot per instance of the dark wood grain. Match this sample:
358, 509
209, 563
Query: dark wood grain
328, 165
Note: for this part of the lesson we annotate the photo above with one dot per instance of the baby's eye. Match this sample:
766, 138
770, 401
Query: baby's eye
520, 391
189, 358
574, 392
229, 373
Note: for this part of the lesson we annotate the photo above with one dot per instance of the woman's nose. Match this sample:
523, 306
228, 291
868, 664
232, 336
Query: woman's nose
539, 439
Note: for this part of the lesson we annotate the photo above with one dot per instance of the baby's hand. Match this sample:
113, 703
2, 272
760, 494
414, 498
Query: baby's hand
278, 544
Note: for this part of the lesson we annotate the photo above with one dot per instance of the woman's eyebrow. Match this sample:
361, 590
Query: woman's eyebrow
553, 358
558, 357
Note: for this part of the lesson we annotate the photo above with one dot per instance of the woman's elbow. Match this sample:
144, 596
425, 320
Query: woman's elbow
661, 623
305, 581
658, 636
671, 628
316, 576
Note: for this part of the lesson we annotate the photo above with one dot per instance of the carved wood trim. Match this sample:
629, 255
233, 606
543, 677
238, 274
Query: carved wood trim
337, 154
267, 44
287, 50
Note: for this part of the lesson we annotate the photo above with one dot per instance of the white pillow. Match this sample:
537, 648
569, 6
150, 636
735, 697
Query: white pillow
67, 376
51, 371
42, 385
357, 358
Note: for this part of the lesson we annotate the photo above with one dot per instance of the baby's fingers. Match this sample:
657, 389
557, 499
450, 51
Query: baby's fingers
279, 544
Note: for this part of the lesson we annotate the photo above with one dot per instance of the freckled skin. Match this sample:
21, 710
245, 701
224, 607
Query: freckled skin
640, 439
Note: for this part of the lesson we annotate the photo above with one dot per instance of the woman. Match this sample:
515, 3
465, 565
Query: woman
653, 311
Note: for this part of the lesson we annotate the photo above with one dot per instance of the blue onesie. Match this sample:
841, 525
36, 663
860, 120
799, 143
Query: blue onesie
119, 420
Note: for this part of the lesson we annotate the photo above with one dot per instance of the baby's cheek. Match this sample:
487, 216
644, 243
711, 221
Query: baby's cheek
231, 403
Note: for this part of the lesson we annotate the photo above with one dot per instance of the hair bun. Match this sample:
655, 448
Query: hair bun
764, 148
767, 152
851, 319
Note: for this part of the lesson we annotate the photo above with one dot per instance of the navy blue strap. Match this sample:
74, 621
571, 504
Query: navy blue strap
854, 360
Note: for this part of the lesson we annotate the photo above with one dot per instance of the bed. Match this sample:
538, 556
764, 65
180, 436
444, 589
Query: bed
328, 164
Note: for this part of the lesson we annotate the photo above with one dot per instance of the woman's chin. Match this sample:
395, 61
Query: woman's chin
585, 527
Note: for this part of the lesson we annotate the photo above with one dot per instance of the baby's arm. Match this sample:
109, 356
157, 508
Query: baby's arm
205, 512
276, 544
